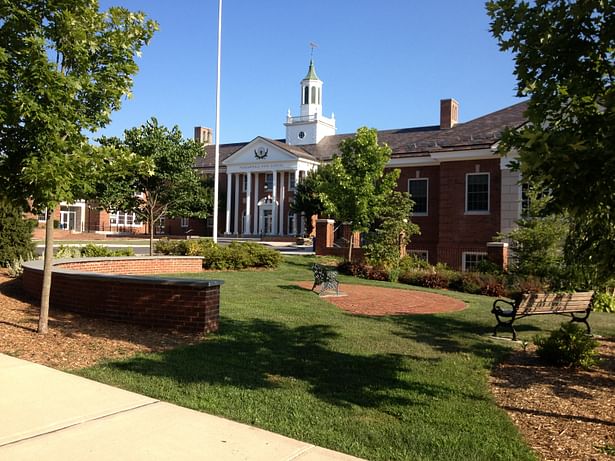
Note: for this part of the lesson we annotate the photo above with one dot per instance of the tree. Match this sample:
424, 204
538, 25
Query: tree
15, 234
169, 187
538, 240
360, 188
64, 67
390, 232
307, 198
565, 62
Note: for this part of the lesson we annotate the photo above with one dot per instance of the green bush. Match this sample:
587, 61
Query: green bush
91, 251
603, 302
569, 346
15, 234
66, 251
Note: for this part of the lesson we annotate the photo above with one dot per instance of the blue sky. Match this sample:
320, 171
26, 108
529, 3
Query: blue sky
384, 64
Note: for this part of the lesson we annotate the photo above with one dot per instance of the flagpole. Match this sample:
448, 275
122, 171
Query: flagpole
217, 148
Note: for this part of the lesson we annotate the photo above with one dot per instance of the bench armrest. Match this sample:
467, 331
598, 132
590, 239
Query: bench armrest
496, 308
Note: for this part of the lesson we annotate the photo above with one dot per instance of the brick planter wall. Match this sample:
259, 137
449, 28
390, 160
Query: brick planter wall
117, 289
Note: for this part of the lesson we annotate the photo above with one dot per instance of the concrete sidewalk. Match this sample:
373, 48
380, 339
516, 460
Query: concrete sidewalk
45, 413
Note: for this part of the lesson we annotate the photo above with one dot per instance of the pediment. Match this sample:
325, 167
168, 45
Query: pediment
259, 150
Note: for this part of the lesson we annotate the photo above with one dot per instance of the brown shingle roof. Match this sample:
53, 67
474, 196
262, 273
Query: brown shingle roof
479, 133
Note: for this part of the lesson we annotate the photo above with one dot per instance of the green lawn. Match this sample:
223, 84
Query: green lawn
387, 388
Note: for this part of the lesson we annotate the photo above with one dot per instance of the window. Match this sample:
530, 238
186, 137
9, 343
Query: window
269, 181
477, 192
418, 189
120, 218
306, 95
313, 95
184, 222
291, 181
471, 260
244, 183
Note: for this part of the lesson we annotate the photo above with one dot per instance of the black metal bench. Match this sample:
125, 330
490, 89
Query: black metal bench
569, 304
325, 278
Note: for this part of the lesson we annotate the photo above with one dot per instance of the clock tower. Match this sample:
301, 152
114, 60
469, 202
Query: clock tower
311, 126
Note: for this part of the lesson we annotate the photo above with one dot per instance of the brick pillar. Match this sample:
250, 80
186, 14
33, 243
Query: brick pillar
324, 235
497, 253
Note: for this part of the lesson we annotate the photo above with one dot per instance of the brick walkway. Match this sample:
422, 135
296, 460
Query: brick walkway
371, 300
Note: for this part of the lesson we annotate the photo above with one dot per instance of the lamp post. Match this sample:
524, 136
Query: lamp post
217, 148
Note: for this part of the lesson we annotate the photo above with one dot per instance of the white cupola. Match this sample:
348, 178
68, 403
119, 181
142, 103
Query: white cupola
311, 93
310, 126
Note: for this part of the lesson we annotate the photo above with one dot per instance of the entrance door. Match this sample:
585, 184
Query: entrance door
68, 219
267, 221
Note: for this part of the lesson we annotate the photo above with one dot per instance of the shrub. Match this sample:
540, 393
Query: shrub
568, 346
91, 251
15, 234
410, 262
603, 302
239, 255
65, 251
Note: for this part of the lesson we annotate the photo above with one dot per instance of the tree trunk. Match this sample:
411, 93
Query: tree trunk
151, 234
43, 319
350, 246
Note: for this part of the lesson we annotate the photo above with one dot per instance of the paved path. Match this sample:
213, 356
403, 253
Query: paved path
375, 300
51, 415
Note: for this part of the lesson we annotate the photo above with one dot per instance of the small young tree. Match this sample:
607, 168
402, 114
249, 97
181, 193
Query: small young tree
171, 187
390, 232
538, 240
64, 67
15, 234
359, 187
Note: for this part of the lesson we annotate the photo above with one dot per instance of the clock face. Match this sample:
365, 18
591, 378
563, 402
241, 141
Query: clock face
301, 134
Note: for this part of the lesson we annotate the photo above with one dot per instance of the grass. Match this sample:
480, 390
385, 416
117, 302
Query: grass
381, 388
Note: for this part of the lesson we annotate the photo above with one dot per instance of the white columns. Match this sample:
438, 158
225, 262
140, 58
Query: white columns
274, 208
228, 203
297, 216
238, 179
247, 225
256, 199
282, 220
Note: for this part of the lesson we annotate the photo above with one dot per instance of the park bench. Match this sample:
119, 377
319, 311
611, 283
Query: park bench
326, 278
569, 304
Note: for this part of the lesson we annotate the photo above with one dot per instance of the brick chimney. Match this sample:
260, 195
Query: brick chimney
203, 135
449, 113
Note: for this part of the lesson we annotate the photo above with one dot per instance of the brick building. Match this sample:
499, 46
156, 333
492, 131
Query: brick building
465, 194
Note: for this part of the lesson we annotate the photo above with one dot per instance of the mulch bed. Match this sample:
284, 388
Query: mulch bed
378, 301
563, 414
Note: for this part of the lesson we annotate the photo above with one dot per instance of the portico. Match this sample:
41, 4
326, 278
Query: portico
260, 183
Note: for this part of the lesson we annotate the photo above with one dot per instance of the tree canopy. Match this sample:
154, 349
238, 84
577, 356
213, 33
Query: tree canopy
166, 185
565, 64
360, 189
64, 67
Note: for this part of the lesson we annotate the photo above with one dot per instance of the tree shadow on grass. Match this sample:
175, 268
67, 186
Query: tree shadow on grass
257, 354
449, 334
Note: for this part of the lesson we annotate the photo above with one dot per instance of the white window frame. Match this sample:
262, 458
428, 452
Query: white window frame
291, 181
479, 212
420, 254
426, 212
464, 258
114, 219
184, 222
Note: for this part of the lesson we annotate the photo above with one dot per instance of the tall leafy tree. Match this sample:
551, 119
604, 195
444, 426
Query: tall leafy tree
167, 186
359, 188
307, 199
565, 62
64, 67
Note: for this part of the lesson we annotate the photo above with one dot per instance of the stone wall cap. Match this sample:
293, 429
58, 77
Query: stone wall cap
497, 244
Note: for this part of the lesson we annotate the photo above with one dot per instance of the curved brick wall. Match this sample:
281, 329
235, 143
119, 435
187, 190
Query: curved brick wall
124, 290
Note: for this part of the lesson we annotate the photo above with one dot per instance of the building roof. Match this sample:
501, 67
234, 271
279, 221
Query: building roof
480, 133
311, 75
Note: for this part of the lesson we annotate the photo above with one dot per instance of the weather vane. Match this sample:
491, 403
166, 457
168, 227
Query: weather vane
312, 46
